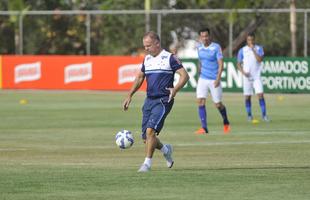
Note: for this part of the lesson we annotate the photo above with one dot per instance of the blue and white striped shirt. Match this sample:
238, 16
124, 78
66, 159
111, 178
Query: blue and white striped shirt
159, 73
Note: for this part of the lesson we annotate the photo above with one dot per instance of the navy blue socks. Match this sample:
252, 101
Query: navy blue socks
203, 116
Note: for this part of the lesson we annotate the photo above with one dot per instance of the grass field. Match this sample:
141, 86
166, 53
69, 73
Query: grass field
60, 145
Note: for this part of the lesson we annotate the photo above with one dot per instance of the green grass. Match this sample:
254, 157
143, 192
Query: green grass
60, 145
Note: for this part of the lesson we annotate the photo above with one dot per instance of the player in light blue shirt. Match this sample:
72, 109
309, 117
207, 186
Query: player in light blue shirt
210, 71
249, 64
158, 68
208, 58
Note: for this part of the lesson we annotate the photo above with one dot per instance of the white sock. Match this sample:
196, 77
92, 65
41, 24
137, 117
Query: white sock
164, 149
148, 161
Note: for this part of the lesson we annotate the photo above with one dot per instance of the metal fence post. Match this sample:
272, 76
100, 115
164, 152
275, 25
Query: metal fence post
147, 8
305, 34
230, 50
159, 25
20, 27
87, 39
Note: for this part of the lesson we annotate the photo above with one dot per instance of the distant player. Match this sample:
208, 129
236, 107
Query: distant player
249, 63
210, 71
159, 67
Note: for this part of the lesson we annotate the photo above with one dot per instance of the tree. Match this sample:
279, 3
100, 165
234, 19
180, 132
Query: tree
121, 34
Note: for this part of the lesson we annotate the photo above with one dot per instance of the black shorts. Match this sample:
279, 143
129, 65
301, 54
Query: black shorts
155, 112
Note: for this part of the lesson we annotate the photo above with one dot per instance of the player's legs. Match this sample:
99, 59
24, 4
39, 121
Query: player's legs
202, 111
258, 87
152, 142
262, 105
248, 107
146, 110
202, 93
216, 93
222, 109
154, 115
248, 92
163, 107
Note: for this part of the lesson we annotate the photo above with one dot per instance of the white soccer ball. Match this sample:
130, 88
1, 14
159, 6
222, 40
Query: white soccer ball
124, 139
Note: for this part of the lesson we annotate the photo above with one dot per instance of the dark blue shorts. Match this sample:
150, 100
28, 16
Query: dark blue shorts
155, 112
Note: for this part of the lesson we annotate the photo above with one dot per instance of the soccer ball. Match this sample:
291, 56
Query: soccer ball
124, 139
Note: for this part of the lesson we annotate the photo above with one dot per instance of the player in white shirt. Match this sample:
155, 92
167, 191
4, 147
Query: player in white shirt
249, 63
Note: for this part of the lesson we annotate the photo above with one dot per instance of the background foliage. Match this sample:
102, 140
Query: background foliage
121, 34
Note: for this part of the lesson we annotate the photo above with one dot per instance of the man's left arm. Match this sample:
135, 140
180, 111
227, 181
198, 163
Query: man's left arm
219, 73
259, 54
182, 81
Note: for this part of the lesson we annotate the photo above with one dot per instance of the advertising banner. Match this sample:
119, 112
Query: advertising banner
70, 72
279, 74
286, 75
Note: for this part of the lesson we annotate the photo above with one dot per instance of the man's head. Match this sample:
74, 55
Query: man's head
151, 43
204, 35
250, 39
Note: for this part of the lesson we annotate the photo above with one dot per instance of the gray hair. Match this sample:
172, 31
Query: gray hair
152, 35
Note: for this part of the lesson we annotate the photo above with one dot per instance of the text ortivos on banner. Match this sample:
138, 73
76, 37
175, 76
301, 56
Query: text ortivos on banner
289, 75
279, 75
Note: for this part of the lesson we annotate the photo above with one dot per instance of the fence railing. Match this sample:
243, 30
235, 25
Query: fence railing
158, 15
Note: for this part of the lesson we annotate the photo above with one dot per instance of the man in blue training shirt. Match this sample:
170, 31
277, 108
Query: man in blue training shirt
159, 67
249, 63
210, 71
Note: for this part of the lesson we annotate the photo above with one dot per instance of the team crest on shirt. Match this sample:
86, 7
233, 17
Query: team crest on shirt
212, 48
164, 57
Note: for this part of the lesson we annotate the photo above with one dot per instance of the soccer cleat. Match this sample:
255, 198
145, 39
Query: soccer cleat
144, 168
201, 131
226, 128
265, 118
250, 118
168, 156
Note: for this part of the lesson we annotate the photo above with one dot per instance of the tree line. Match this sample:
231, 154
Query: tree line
121, 34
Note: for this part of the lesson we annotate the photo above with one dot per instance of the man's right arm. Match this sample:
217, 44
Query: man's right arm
136, 85
199, 68
239, 63
240, 68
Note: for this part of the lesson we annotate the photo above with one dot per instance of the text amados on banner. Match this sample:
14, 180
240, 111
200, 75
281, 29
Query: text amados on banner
279, 75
